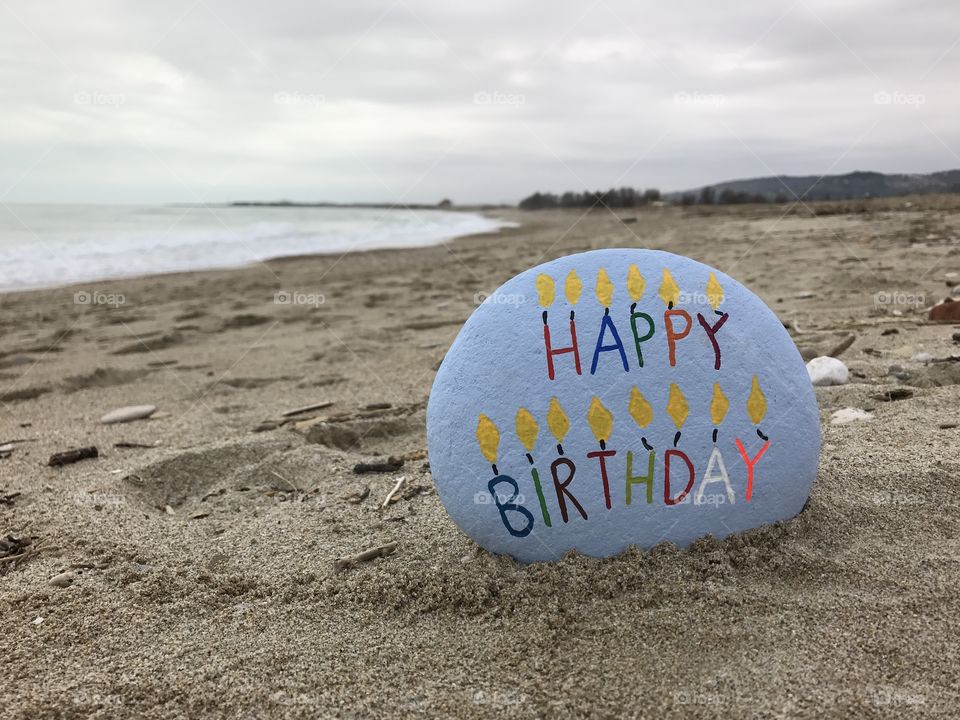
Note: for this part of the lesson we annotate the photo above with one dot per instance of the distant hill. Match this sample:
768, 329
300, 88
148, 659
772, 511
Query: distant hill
853, 185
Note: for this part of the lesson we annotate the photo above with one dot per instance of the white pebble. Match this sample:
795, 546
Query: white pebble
827, 371
62, 580
923, 357
848, 415
126, 414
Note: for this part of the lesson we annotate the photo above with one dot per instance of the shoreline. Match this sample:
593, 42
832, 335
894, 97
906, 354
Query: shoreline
119, 278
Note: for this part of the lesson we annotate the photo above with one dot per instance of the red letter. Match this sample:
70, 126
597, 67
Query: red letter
750, 463
666, 477
602, 456
560, 351
672, 336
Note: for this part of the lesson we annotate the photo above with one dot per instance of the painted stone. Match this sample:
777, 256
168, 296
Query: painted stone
616, 398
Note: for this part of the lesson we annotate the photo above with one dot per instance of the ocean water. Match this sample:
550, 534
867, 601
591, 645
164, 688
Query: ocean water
52, 245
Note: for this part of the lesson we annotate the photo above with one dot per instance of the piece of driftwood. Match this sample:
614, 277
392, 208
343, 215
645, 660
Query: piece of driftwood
15, 550
893, 394
7, 499
343, 563
842, 346
71, 456
389, 465
389, 498
307, 408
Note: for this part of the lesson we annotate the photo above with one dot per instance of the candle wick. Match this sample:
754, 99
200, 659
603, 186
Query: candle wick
646, 444
572, 313
606, 311
763, 437
676, 438
715, 434
560, 448
670, 305
721, 313
603, 444
544, 317
529, 459
495, 471
633, 307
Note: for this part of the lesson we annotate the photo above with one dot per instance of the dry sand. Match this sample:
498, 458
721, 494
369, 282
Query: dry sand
204, 567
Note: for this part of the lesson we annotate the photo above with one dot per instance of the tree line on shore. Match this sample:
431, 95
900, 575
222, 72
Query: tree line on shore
627, 197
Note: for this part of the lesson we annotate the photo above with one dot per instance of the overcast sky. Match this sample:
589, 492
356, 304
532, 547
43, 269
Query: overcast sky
416, 100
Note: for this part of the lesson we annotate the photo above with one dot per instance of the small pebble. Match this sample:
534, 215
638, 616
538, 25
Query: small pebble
848, 415
128, 414
62, 580
827, 371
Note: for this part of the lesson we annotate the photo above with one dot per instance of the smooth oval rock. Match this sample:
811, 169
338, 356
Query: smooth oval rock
62, 580
128, 414
825, 371
616, 398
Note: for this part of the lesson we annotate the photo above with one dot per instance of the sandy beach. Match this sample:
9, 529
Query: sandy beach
202, 554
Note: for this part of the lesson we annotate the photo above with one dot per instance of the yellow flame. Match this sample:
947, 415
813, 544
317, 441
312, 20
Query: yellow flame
635, 283
677, 406
557, 420
527, 428
546, 290
719, 405
756, 403
572, 287
669, 290
488, 436
600, 420
604, 288
640, 409
714, 292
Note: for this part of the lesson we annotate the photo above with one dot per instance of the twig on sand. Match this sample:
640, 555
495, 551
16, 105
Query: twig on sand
389, 465
343, 563
278, 475
8, 498
843, 345
393, 492
307, 408
71, 456
14, 550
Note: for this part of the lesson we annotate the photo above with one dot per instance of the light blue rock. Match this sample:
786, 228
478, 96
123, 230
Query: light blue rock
736, 394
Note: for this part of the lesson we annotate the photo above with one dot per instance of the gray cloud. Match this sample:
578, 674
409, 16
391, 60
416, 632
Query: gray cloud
417, 99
